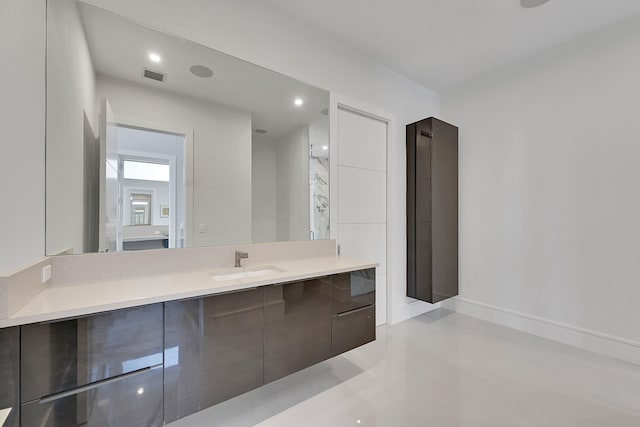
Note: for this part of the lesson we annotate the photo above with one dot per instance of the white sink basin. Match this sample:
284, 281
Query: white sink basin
244, 272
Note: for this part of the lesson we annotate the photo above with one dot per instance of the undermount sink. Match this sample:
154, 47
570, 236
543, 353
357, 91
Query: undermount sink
244, 272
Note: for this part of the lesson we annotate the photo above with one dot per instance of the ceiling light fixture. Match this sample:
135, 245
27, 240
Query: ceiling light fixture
298, 102
530, 4
155, 57
324, 147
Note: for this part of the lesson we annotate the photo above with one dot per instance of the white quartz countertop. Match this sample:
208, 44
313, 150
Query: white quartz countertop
69, 300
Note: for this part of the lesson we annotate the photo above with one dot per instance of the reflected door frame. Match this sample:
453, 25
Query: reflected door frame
339, 102
124, 155
184, 239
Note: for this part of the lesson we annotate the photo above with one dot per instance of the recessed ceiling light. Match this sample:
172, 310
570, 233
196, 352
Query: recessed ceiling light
324, 147
529, 4
298, 102
201, 71
155, 57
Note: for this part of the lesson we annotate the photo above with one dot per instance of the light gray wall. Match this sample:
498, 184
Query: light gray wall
221, 159
263, 190
71, 95
292, 185
549, 178
22, 122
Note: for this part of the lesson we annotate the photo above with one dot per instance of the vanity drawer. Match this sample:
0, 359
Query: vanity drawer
353, 290
132, 400
9, 376
352, 329
63, 355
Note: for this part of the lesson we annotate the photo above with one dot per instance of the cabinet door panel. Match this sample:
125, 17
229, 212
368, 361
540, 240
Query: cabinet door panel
213, 350
134, 401
63, 355
353, 290
297, 326
9, 375
353, 329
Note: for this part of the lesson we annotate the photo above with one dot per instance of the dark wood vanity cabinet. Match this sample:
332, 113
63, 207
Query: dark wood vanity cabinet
93, 370
151, 365
432, 210
132, 400
297, 326
353, 320
213, 350
221, 346
10, 374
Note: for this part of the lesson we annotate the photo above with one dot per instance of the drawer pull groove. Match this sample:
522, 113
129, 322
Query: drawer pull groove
355, 310
57, 396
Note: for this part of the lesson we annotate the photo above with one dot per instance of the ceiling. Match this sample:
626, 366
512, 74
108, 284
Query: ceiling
443, 44
120, 48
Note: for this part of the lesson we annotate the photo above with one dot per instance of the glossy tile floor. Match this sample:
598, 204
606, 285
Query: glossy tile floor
445, 369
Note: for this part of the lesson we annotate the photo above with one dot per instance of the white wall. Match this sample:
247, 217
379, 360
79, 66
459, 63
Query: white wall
292, 185
221, 153
549, 195
263, 190
260, 34
71, 95
22, 122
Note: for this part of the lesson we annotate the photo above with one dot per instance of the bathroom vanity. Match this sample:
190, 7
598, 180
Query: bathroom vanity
169, 354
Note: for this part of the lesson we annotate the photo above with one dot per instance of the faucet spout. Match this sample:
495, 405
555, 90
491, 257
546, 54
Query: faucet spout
239, 256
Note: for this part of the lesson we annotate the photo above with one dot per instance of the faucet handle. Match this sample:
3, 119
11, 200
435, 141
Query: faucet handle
240, 255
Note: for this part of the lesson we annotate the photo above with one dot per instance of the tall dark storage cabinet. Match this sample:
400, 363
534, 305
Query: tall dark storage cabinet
432, 210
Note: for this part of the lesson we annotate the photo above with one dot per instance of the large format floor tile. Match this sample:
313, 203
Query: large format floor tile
445, 369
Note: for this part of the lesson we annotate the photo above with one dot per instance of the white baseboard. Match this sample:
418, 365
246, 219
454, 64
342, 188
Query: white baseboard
412, 309
597, 342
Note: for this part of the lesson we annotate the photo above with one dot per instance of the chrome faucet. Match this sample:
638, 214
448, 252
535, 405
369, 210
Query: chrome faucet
239, 256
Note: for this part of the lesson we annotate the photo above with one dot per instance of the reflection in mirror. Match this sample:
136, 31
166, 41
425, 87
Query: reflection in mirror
157, 142
140, 206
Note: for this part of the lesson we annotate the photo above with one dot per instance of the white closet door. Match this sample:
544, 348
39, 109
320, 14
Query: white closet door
362, 195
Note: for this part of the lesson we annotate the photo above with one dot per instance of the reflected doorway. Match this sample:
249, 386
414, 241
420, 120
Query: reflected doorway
151, 196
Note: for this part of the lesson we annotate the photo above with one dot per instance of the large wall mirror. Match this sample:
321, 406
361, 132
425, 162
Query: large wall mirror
154, 141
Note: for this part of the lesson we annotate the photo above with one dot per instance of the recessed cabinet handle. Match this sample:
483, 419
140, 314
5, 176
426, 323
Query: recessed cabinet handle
82, 389
355, 311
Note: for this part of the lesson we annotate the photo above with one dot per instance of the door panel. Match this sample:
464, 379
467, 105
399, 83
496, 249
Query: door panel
9, 377
297, 326
362, 192
108, 228
213, 350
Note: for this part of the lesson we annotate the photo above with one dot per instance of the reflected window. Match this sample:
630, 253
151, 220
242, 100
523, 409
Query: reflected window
146, 171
